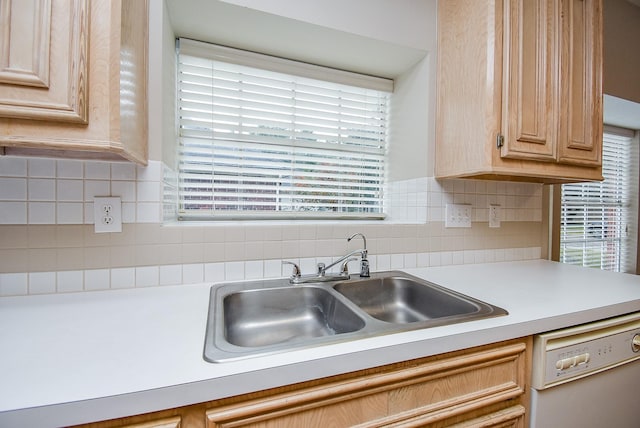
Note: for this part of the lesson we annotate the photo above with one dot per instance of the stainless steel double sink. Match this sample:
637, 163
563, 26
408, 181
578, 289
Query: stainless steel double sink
264, 317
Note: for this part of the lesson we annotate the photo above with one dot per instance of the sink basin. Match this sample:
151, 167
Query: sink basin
254, 318
276, 316
401, 300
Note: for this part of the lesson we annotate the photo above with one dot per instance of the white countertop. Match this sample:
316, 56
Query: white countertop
74, 358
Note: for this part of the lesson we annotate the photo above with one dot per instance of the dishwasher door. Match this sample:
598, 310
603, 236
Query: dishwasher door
587, 376
608, 399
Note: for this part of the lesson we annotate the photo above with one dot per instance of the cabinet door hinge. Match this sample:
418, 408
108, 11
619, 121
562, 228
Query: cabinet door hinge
499, 141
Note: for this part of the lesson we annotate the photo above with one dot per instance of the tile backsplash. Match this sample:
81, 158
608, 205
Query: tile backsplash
49, 191
47, 242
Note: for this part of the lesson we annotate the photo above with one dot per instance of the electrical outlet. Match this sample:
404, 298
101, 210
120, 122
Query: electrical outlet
494, 215
107, 214
458, 215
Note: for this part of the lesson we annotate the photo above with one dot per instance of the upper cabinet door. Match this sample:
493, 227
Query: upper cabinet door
529, 71
580, 131
43, 60
529, 80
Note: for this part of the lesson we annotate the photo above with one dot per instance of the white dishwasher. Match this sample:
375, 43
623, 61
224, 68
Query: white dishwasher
588, 376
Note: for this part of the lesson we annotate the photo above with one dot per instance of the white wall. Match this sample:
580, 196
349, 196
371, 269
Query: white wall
412, 123
404, 22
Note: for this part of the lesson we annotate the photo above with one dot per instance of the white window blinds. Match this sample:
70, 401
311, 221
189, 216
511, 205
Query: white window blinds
260, 143
598, 220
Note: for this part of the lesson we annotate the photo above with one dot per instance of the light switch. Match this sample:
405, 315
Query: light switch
458, 215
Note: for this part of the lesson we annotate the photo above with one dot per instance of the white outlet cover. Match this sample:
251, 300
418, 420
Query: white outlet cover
495, 216
458, 215
107, 214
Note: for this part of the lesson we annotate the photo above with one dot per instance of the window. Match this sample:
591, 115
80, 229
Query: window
263, 137
598, 220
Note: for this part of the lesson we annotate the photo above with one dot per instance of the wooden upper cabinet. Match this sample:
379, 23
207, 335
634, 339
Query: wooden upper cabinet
73, 78
520, 90
581, 82
43, 60
528, 97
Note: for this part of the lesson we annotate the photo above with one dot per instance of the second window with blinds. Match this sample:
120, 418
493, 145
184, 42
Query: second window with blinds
267, 138
598, 224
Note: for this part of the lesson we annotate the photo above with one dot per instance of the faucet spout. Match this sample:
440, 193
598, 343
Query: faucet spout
322, 268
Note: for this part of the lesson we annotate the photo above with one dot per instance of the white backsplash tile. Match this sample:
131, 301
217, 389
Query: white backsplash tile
13, 284
93, 188
147, 276
148, 212
214, 272
69, 281
13, 189
234, 271
97, 171
41, 167
69, 213
123, 171
123, 278
13, 167
193, 273
70, 169
41, 189
170, 275
69, 190
148, 191
97, 279
125, 189
42, 213
42, 282
13, 212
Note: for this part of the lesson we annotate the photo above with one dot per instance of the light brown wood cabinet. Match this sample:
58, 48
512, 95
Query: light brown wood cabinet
480, 387
519, 90
73, 78
173, 422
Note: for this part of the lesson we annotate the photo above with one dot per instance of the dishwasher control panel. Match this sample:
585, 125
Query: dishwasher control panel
575, 352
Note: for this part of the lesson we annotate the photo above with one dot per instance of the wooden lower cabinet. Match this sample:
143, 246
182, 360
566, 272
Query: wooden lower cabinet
480, 387
173, 422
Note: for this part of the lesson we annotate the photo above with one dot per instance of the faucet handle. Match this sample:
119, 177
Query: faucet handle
344, 270
296, 269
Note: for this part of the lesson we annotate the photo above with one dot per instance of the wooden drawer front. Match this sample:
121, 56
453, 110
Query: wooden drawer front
411, 396
512, 417
160, 423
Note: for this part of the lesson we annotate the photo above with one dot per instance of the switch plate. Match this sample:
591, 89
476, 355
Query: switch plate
495, 214
107, 214
458, 215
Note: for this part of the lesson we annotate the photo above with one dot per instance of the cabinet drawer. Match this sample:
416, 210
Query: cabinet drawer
449, 389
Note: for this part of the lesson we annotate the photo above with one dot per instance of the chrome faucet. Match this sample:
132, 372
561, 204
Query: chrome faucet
321, 274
